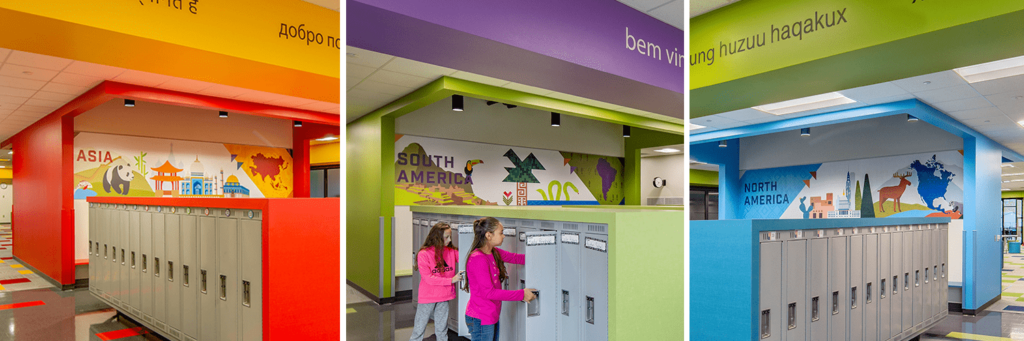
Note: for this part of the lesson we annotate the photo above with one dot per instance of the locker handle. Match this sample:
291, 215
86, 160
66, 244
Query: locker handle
835, 303
906, 281
792, 316
926, 276
935, 273
144, 267
170, 271
202, 281
184, 279
895, 280
766, 328
533, 307
590, 310
122, 256
104, 251
133, 259
943, 270
917, 278
867, 294
223, 288
814, 309
245, 293
853, 298
565, 303
882, 292
156, 266
90, 248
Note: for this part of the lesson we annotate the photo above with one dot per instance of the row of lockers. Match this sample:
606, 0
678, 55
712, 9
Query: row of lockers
566, 262
187, 273
852, 284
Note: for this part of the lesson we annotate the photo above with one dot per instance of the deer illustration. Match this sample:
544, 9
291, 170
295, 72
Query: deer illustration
894, 192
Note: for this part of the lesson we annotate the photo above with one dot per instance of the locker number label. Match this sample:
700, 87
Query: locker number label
522, 236
509, 232
597, 244
465, 228
547, 239
570, 238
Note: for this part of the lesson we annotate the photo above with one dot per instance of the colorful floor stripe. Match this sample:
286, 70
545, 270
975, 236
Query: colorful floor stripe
21, 305
25, 272
14, 281
123, 333
965, 336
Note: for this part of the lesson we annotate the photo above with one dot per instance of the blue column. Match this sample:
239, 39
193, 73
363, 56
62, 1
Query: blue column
728, 161
982, 209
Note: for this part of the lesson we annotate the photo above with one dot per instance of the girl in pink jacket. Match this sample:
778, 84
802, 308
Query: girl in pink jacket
437, 264
485, 271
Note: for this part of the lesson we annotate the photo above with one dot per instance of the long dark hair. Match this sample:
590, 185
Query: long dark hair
480, 228
435, 240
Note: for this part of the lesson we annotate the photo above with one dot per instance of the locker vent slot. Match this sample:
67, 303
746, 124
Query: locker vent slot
814, 309
867, 294
508, 222
565, 303
174, 333
202, 280
546, 239
547, 224
160, 326
590, 310
596, 244
597, 228
882, 292
465, 228
792, 316
853, 298
766, 329
245, 293
835, 303
522, 236
156, 266
570, 238
184, 280
570, 226
527, 223
170, 271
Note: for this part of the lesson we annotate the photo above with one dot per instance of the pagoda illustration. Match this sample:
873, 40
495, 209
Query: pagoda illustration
166, 173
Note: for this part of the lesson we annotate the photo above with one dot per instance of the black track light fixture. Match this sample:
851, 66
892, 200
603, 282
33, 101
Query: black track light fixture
911, 118
297, 124
490, 103
723, 144
556, 119
129, 103
458, 103
625, 131
223, 114
805, 131
510, 106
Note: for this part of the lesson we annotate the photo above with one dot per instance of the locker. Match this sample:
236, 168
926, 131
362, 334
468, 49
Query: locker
871, 288
417, 241
857, 289
817, 258
453, 305
190, 257
92, 240
172, 236
595, 300
116, 266
884, 283
251, 302
102, 251
908, 280
917, 277
795, 293
126, 237
207, 277
525, 226
838, 286
541, 272
569, 276
143, 290
226, 278
465, 243
160, 270
770, 317
926, 271
896, 314
507, 330
138, 262
943, 270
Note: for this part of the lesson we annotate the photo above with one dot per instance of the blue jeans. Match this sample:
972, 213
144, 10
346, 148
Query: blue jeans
478, 332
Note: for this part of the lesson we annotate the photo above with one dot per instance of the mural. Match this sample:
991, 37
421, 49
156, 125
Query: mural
919, 185
111, 165
431, 171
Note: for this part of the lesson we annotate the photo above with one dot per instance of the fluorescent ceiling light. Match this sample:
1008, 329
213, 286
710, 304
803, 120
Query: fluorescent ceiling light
329, 138
1008, 165
695, 162
667, 150
696, 126
1014, 180
1013, 174
993, 70
805, 104
1006, 189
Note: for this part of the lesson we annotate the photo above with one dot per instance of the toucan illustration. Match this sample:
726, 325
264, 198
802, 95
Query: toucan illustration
469, 168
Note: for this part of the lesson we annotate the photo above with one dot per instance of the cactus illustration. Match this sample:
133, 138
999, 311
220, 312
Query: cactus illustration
806, 210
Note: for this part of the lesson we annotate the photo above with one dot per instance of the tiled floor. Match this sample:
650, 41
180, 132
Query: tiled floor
366, 321
15, 276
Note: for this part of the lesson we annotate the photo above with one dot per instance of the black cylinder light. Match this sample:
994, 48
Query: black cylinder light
805, 131
297, 124
556, 119
457, 103
723, 144
625, 131
223, 114
129, 103
911, 118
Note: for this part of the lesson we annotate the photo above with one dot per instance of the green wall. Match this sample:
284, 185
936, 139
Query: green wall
703, 178
1013, 194
642, 138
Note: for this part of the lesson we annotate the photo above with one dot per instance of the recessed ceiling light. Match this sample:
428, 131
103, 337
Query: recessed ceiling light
667, 150
805, 104
351, 55
696, 126
927, 82
27, 72
695, 162
993, 70
328, 138
1009, 164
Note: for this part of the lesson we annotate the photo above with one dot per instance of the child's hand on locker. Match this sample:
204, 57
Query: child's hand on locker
528, 295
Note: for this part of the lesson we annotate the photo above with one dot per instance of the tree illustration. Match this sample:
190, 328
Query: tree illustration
867, 207
522, 172
857, 196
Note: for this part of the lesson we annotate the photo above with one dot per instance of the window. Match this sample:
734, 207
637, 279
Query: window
703, 203
325, 181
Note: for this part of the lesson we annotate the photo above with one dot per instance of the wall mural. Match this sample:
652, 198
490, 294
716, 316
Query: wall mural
431, 171
113, 165
918, 185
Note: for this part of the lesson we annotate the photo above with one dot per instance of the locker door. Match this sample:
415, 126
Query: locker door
926, 274
818, 299
142, 283
570, 272
508, 309
838, 301
595, 299
226, 278
794, 311
92, 250
251, 302
520, 309
160, 270
944, 268
416, 244
172, 249
540, 317
884, 279
896, 278
937, 287
103, 250
126, 238
857, 290
770, 314
907, 281
917, 278
207, 278
465, 243
871, 287
113, 269
189, 273
453, 305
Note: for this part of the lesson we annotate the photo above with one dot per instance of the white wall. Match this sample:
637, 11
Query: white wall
671, 168
6, 200
519, 127
956, 252
403, 238
81, 229
880, 137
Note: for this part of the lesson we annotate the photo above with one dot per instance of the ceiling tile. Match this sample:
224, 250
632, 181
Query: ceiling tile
976, 113
253, 96
469, 76
358, 93
415, 68
644, 5
37, 109
141, 78
747, 114
290, 102
95, 70
1000, 85
9, 100
20, 83
223, 91
963, 104
64, 88
27, 72
53, 96
673, 13
713, 121
764, 120
399, 79
184, 85
351, 82
4, 53
358, 71
1006, 98
8, 91
874, 92
319, 106
890, 99
947, 94
44, 103
527, 89
77, 80
388, 89
365, 57
38, 60
568, 97
986, 122
934, 81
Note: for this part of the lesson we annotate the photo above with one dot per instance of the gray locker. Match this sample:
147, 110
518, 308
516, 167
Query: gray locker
857, 292
595, 284
795, 308
117, 266
541, 267
138, 261
125, 236
160, 271
570, 274
509, 319
818, 297
251, 303
898, 291
207, 278
190, 265
465, 243
226, 278
926, 273
838, 287
769, 325
525, 226
884, 284
917, 277
417, 241
943, 270
142, 297
92, 240
908, 280
173, 296
871, 289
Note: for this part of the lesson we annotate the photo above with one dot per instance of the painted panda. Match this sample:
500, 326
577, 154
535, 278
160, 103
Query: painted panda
119, 176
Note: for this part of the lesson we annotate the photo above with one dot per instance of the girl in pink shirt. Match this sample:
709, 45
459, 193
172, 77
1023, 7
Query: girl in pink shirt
485, 271
437, 264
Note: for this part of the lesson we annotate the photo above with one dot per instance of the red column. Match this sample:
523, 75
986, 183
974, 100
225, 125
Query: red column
300, 157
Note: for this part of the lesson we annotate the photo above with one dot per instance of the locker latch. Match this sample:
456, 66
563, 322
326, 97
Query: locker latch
792, 316
156, 266
184, 280
935, 273
104, 251
895, 285
766, 329
943, 270
814, 309
565, 303
883, 288
133, 260
202, 280
245, 293
835, 303
906, 281
867, 295
853, 298
144, 267
170, 271
926, 276
223, 288
122, 256
917, 278
533, 307
590, 310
